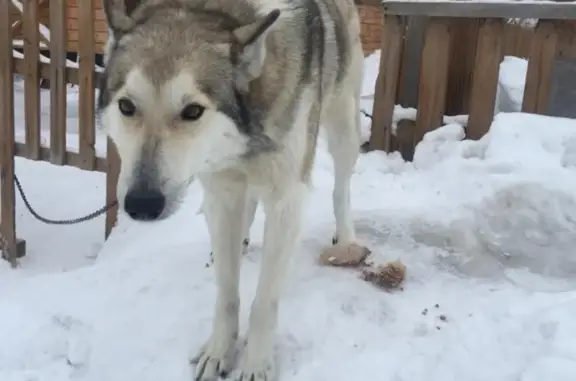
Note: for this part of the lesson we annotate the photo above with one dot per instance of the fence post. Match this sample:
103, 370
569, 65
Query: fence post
58, 82
433, 77
86, 51
30, 20
540, 65
13, 249
387, 82
112, 172
489, 54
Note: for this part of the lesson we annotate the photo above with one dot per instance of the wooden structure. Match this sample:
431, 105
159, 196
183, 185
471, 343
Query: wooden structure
443, 58
32, 69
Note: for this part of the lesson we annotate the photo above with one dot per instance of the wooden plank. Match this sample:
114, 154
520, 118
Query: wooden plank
112, 173
72, 159
489, 54
386, 83
58, 81
7, 196
408, 84
71, 73
524, 10
411, 57
464, 34
31, 78
567, 39
540, 65
86, 105
433, 77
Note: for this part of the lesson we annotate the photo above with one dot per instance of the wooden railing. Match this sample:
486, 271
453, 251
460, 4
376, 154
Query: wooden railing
33, 67
424, 76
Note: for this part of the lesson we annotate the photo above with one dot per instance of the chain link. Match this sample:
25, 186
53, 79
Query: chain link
71, 221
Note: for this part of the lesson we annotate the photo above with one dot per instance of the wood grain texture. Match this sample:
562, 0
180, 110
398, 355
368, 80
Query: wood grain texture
471, 9
387, 82
86, 101
540, 66
112, 173
58, 81
31, 74
489, 54
7, 196
433, 77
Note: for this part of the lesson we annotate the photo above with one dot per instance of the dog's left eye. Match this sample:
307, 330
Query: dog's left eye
192, 112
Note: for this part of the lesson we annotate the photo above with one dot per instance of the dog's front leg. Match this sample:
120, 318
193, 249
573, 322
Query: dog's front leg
283, 211
224, 203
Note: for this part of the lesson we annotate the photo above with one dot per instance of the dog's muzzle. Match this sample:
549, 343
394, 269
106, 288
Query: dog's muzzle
144, 204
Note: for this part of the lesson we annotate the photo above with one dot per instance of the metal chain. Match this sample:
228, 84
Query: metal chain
49, 221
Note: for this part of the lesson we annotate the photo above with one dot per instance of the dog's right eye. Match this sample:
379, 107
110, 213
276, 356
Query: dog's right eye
126, 107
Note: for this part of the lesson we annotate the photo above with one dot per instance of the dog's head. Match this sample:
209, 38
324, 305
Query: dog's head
174, 97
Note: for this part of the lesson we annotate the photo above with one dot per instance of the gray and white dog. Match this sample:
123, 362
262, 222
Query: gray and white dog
233, 92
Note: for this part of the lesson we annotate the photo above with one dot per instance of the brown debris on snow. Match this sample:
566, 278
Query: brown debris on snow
387, 276
344, 255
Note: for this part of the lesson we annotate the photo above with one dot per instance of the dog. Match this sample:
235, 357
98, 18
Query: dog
233, 93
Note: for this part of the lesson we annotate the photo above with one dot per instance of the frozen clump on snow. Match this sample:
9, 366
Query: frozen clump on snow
442, 144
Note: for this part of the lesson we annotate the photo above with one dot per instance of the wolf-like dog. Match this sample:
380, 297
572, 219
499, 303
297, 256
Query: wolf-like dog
233, 93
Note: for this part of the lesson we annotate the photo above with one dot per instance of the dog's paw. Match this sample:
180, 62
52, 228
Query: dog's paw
213, 361
255, 367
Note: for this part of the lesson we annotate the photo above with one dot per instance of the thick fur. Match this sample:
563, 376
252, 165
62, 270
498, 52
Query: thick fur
266, 79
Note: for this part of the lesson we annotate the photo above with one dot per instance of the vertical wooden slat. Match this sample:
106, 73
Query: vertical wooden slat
433, 77
540, 65
57, 82
112, 172
386, 83
31, 78
464, 34
86, 122
489, 54
7, 197
408, 83
411, 57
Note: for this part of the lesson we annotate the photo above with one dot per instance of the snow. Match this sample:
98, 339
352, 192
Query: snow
486, 229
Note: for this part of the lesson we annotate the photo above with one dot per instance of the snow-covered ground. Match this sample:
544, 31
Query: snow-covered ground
487, 230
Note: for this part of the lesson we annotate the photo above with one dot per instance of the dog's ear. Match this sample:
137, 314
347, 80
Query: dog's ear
250, 41
118, 14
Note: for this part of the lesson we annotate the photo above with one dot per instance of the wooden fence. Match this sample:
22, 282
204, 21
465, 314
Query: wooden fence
465, 35
60, 73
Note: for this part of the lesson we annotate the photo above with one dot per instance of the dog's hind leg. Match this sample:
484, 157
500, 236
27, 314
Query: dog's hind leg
343, 144
224, 208
343, 120
283, 210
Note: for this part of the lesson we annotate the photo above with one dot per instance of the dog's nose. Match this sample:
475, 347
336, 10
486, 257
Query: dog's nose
144, 204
